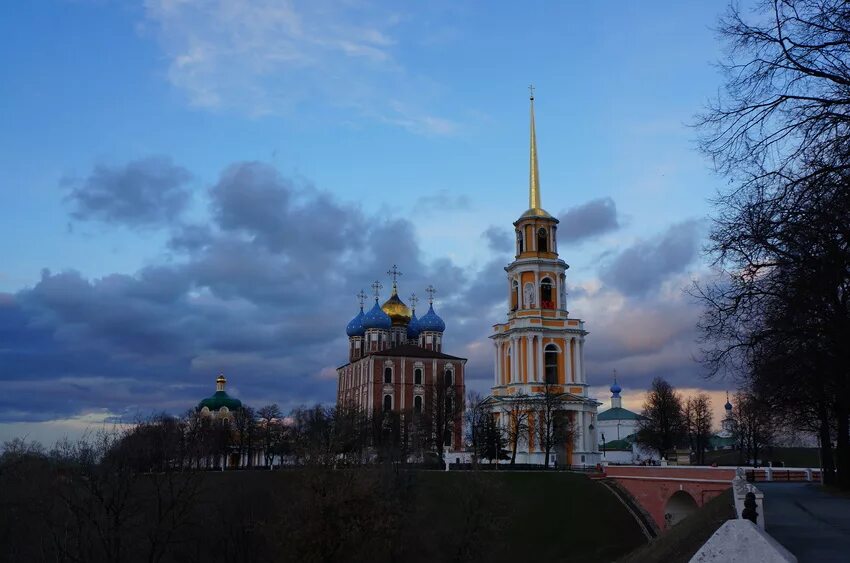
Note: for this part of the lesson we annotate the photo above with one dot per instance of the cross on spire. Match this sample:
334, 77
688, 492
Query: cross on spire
430, 291
361, 296
394, 273
615, 375
377, 286
413, 301
531, 91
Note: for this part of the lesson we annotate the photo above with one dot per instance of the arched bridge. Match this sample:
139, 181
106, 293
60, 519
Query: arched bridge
668, 494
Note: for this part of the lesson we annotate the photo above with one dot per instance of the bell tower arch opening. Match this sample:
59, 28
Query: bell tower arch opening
542, 240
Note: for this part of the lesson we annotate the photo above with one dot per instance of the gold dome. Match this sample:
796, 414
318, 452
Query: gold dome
397, 310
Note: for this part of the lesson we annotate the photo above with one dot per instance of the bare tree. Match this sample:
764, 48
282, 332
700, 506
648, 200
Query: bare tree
662, 425
780, 239
475, 418
556, 426
270, 419
518, 410
698, 419
755, 424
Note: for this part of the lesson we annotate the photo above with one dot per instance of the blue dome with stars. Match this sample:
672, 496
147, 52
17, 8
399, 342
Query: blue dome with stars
355, 326
615, 389
377, 318
413, 328
431, 322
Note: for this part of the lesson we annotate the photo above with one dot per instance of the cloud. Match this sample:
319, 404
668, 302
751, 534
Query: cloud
141, 193
642, 267
442, 201
588, 220
262, 291
262, 57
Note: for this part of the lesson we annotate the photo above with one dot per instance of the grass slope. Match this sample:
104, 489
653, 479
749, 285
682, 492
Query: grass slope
680, 543
549, 516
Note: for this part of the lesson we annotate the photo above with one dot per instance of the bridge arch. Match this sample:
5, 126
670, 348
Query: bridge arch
678, 507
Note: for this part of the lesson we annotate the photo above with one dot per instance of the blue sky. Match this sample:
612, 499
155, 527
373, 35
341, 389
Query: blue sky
308, 146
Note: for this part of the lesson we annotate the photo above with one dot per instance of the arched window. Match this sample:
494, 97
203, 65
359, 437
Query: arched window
388, 403
519, 242
448, 377
417, 376
550, 360
417, 403
542, 240
388, 375
514, 295
547, 300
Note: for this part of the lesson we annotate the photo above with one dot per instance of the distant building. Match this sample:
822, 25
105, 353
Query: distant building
725, 439
219, 404
396, 363
618, 432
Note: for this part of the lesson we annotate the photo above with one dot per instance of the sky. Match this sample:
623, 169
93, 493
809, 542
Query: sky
201, 186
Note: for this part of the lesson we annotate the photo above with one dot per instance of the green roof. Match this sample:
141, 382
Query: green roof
618, 413
722, 442
220, 399
617, 445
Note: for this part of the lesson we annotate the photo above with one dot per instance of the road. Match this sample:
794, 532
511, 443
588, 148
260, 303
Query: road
811, 524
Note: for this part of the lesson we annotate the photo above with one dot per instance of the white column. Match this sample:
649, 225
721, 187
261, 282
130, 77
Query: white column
529, 362
497, 365
514, 360
581, 360
568, 358
540, 367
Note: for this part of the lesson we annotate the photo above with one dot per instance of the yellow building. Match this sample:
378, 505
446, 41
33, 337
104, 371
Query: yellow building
539, 365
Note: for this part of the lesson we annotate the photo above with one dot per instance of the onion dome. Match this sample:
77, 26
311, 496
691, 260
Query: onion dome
355, 326
728, 405
413, 328
377, 318
220, 398
431, 322
398, 312
615, 389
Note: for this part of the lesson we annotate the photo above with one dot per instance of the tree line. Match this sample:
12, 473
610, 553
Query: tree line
672, 422
142, 492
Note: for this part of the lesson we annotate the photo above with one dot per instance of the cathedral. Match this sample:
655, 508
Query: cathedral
396, 363
539, 377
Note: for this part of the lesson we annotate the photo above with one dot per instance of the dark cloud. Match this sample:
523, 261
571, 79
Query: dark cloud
145, 192
499, 239
643, 266
262, 292
587, 220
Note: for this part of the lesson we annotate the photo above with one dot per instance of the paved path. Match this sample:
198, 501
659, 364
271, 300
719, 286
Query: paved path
811, 524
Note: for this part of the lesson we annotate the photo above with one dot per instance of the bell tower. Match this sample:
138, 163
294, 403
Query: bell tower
540, 349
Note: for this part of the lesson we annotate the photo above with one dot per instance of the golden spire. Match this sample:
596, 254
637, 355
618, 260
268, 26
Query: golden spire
533, 174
